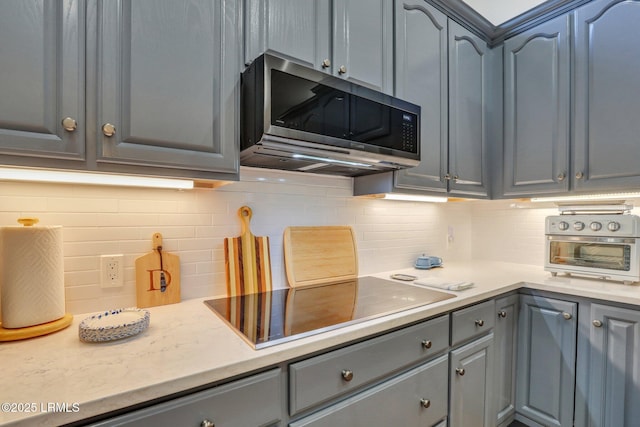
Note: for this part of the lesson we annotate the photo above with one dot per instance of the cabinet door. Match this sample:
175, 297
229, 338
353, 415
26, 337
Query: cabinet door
471, 384
42, 83
546, 360
363, 42
421, 50
506, 340
614, 386
299, 30
167, 79
536, 111
607, 95
469, 73
416, 398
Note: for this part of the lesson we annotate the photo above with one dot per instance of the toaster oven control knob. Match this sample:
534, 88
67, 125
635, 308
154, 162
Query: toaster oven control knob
563, 225
613, 226
578, 225
595, 226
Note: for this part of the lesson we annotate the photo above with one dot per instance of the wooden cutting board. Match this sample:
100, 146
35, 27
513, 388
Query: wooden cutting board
321, 254
157, 276
247, 259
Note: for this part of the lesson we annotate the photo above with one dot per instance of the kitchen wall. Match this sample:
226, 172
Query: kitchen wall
390, 234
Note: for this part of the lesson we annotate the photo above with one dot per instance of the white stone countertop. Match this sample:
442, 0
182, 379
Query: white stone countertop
187, 346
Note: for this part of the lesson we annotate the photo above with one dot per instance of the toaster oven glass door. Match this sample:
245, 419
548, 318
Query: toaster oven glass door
591, 253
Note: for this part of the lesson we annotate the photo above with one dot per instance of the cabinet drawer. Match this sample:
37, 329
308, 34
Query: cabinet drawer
415, 398
472, 321
252, 401
323, 377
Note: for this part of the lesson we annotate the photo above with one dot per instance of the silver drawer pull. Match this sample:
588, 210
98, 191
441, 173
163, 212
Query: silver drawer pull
426, 344
425, 403
502, 314
207, 423
347, 375
567, 316
480, 323
69, 124
460, 371
597, 323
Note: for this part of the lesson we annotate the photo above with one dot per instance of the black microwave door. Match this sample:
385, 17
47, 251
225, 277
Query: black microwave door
382, 126
301, 104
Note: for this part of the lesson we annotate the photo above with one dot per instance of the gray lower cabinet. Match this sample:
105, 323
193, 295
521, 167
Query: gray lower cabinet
504, 366
253, 401
415, 398
42, 108
614, 371
470, 383
351, 39
162, 90
536, 110
546, 360
607, 95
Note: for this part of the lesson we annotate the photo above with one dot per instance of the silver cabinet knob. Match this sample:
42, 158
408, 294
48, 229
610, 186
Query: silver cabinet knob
425, 403
460, 371
562, 176
502, 314
108, 129
447, 177
480, 323
426, 344
342, 69
207, 423
579, 175
566, 315
326, 63
455, 178
347, 375
597, 323
69, 124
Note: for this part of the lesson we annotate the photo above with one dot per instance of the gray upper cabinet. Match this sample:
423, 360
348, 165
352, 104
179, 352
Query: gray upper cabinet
421, 50
164, 84
607, 95
42, 83
470, 69
546, 360
351, 39
299, 30
536, 110
614, 374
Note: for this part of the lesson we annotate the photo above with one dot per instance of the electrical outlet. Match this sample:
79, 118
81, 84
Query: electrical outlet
111, 271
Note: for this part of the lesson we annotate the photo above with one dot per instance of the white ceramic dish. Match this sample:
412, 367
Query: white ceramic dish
114, 325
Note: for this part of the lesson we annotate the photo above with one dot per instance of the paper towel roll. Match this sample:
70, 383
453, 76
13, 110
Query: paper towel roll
31, 275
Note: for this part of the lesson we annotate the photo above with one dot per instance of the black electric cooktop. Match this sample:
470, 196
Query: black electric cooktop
282, 315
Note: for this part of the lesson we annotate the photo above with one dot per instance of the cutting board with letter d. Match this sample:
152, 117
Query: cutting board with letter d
157, 276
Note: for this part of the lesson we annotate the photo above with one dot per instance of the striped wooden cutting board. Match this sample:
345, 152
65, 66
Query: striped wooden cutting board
247, 260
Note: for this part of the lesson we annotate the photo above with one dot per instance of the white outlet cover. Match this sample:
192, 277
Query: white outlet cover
111, 271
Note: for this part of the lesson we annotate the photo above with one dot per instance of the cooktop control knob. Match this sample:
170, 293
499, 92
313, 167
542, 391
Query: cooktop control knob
578, 225
595, 226
563, 225
613, 226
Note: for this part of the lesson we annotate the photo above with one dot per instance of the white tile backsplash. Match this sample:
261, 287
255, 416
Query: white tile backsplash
389, 234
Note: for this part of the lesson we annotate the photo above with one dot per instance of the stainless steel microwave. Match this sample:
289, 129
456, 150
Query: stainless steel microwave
298, 118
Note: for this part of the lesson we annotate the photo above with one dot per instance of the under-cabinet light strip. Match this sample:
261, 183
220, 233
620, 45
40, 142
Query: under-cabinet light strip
414, 198
577, 198
69, 177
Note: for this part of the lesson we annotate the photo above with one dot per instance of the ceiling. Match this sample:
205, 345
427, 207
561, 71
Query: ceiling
500, 11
